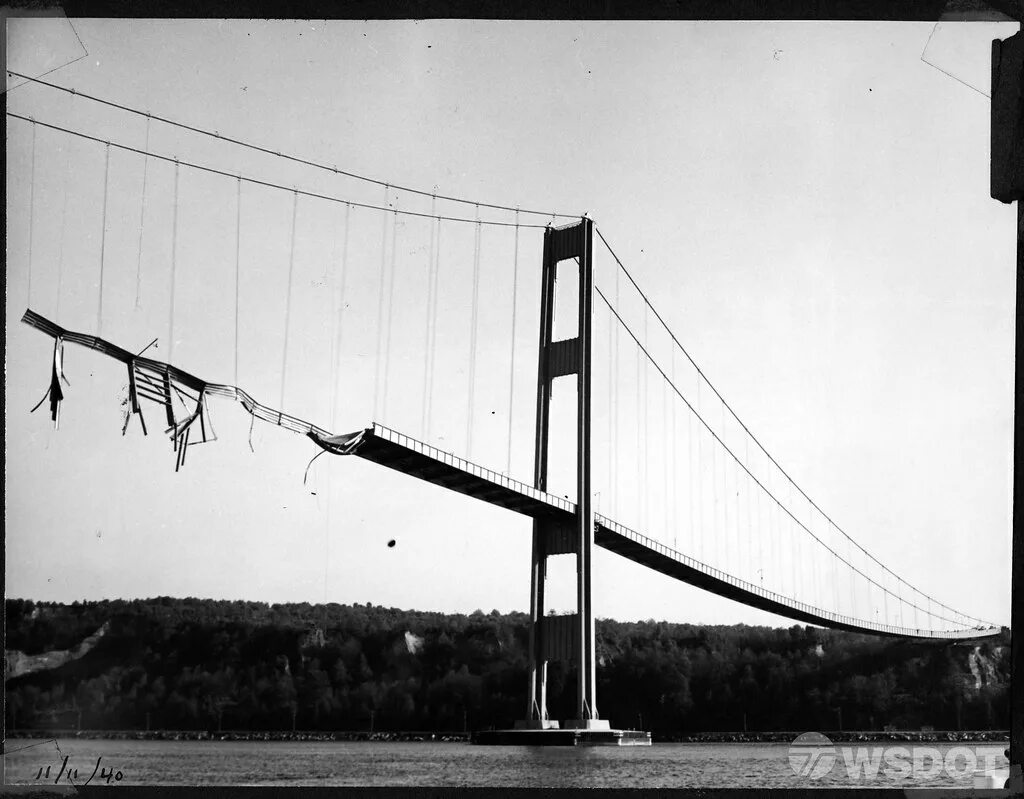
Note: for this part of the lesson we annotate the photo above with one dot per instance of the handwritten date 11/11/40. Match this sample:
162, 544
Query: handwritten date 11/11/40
71, 774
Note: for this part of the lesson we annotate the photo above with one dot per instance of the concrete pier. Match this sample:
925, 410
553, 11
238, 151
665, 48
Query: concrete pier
561, 737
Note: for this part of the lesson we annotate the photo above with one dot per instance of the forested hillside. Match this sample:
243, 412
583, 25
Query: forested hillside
203, 664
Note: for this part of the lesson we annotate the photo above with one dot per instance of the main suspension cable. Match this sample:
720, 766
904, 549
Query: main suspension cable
679, 344
742, 465
264, 183
286, 156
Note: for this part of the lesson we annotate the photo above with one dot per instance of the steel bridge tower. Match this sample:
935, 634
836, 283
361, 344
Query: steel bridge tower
571, 637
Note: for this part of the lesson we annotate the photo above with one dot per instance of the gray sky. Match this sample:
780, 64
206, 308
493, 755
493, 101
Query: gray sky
806, 204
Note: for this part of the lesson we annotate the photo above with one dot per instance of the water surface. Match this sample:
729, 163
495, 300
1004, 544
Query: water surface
669, 765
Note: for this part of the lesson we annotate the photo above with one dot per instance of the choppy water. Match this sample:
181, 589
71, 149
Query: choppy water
459, 764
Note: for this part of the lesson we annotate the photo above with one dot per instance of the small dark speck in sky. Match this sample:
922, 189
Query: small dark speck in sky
391, 543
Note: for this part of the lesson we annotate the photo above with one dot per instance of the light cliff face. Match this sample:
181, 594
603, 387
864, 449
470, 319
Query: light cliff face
983, 667
18, 663
413, 643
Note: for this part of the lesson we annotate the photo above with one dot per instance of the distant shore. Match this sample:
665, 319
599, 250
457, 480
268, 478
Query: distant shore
845, 736
850, 736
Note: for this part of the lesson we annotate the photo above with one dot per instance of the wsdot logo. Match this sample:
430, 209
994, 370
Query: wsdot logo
812, 755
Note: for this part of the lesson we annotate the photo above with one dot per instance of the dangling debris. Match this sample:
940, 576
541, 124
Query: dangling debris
160, 382
55, 392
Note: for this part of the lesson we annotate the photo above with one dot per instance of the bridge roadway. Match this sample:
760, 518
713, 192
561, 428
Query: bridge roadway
407, 455
390, 448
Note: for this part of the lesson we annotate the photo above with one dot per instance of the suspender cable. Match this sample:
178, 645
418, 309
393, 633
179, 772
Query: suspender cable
174, 265
721, 539
646, 429
429, 320
691, 494
238, 260
474, 315
726, 530
512, 350
390, 308
103, 241
615, 409
762, 527
380, 308
639, 444
853, 588
699, 475
742, 552
32, 210
835, 580
750, 521
666, 499
60, 248
340, 318
815, 572
675, 468
288, 297
742, 514
433, 330
609, 491
796, 543
142, 223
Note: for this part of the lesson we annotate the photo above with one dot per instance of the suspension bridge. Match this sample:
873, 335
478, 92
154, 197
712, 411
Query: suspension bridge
686, 488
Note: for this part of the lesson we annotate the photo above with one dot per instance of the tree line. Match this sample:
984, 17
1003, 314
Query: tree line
169, 663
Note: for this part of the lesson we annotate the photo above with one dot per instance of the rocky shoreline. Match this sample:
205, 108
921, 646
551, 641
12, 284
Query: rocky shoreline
866, 736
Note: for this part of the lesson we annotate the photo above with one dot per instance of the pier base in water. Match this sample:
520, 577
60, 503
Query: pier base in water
561, 737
